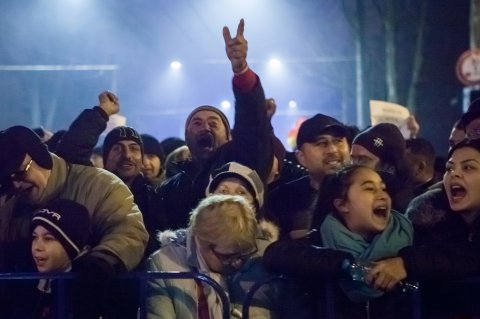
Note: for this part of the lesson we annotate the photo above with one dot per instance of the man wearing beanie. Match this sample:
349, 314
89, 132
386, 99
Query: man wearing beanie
382, 147
212, 144
31, 176
153, 160
123, 153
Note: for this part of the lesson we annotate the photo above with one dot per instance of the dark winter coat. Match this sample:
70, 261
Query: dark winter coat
318, 270
446, 252
250, 145
77, 145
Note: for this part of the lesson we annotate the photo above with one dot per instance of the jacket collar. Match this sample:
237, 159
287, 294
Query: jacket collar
57, 179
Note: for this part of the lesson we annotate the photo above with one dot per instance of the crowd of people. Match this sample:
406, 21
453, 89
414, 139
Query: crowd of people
231, 203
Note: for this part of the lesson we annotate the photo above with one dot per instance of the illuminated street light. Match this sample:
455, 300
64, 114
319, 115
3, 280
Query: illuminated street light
225, 104
175, 65
274, 63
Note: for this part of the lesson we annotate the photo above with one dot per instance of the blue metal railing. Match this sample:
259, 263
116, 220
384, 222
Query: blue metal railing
329, 298
141, 276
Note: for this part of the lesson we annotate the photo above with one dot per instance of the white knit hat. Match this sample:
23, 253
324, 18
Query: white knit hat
249, 176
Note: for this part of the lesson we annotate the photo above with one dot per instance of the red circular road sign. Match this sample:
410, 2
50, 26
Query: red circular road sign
468, 67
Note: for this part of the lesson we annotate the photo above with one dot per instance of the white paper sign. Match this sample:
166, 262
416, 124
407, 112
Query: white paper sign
386, 112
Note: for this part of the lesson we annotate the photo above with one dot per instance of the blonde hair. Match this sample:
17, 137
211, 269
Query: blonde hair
226, 219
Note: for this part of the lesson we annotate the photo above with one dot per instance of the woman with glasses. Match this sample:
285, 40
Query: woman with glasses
220, 242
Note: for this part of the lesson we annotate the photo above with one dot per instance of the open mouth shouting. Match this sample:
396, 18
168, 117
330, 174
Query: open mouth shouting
456, 194
382, 212
205, 140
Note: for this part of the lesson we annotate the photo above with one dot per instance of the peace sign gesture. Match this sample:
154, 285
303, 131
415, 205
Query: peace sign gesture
236, 47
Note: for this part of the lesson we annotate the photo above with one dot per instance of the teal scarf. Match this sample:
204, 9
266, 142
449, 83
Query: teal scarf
397, 234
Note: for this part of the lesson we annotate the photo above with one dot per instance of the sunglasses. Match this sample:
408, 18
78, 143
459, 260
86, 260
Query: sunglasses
19, 176
232, 259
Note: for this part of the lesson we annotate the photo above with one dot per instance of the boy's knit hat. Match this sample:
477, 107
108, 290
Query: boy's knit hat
68, 221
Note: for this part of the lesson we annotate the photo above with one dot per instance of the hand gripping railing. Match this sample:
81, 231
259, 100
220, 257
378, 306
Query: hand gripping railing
251, 292
141, 276
329, 301
329, 298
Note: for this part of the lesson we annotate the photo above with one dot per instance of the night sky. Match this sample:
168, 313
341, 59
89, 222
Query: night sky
138, 38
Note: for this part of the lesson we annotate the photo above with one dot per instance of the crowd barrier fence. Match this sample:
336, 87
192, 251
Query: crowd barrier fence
60, 296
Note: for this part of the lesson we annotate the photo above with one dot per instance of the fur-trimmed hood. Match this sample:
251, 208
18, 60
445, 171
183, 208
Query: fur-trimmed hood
268, 230
268, 233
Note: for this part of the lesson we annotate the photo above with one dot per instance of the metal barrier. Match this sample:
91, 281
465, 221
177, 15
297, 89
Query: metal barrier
141, 276
329, 298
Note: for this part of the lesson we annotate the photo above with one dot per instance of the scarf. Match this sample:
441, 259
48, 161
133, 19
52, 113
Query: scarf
213, 300
397, 234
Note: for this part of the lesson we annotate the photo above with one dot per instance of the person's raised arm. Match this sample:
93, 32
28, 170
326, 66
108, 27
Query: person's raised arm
77, 144
236, 49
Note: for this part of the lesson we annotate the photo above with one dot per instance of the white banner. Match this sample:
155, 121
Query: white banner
386, 112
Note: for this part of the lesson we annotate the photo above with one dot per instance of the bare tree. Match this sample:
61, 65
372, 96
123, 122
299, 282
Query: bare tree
475, 24
417, 59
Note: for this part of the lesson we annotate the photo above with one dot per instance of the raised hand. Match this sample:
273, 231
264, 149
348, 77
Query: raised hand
236, 48
271, 107
109, 102
412, 126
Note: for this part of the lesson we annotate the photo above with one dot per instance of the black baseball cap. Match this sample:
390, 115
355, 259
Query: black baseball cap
317, 125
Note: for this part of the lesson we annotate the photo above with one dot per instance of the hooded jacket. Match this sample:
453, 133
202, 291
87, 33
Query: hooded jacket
177, 298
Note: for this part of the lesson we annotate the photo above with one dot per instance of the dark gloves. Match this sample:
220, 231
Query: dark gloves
95, 272
97, 266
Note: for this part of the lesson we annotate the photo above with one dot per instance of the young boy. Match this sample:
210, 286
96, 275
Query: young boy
60, 232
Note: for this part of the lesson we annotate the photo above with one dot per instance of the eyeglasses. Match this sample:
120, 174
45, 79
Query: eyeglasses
232, 259
22, 174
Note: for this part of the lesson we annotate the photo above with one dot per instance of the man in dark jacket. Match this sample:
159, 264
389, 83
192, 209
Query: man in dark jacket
122, 155
212, 144
321, 148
